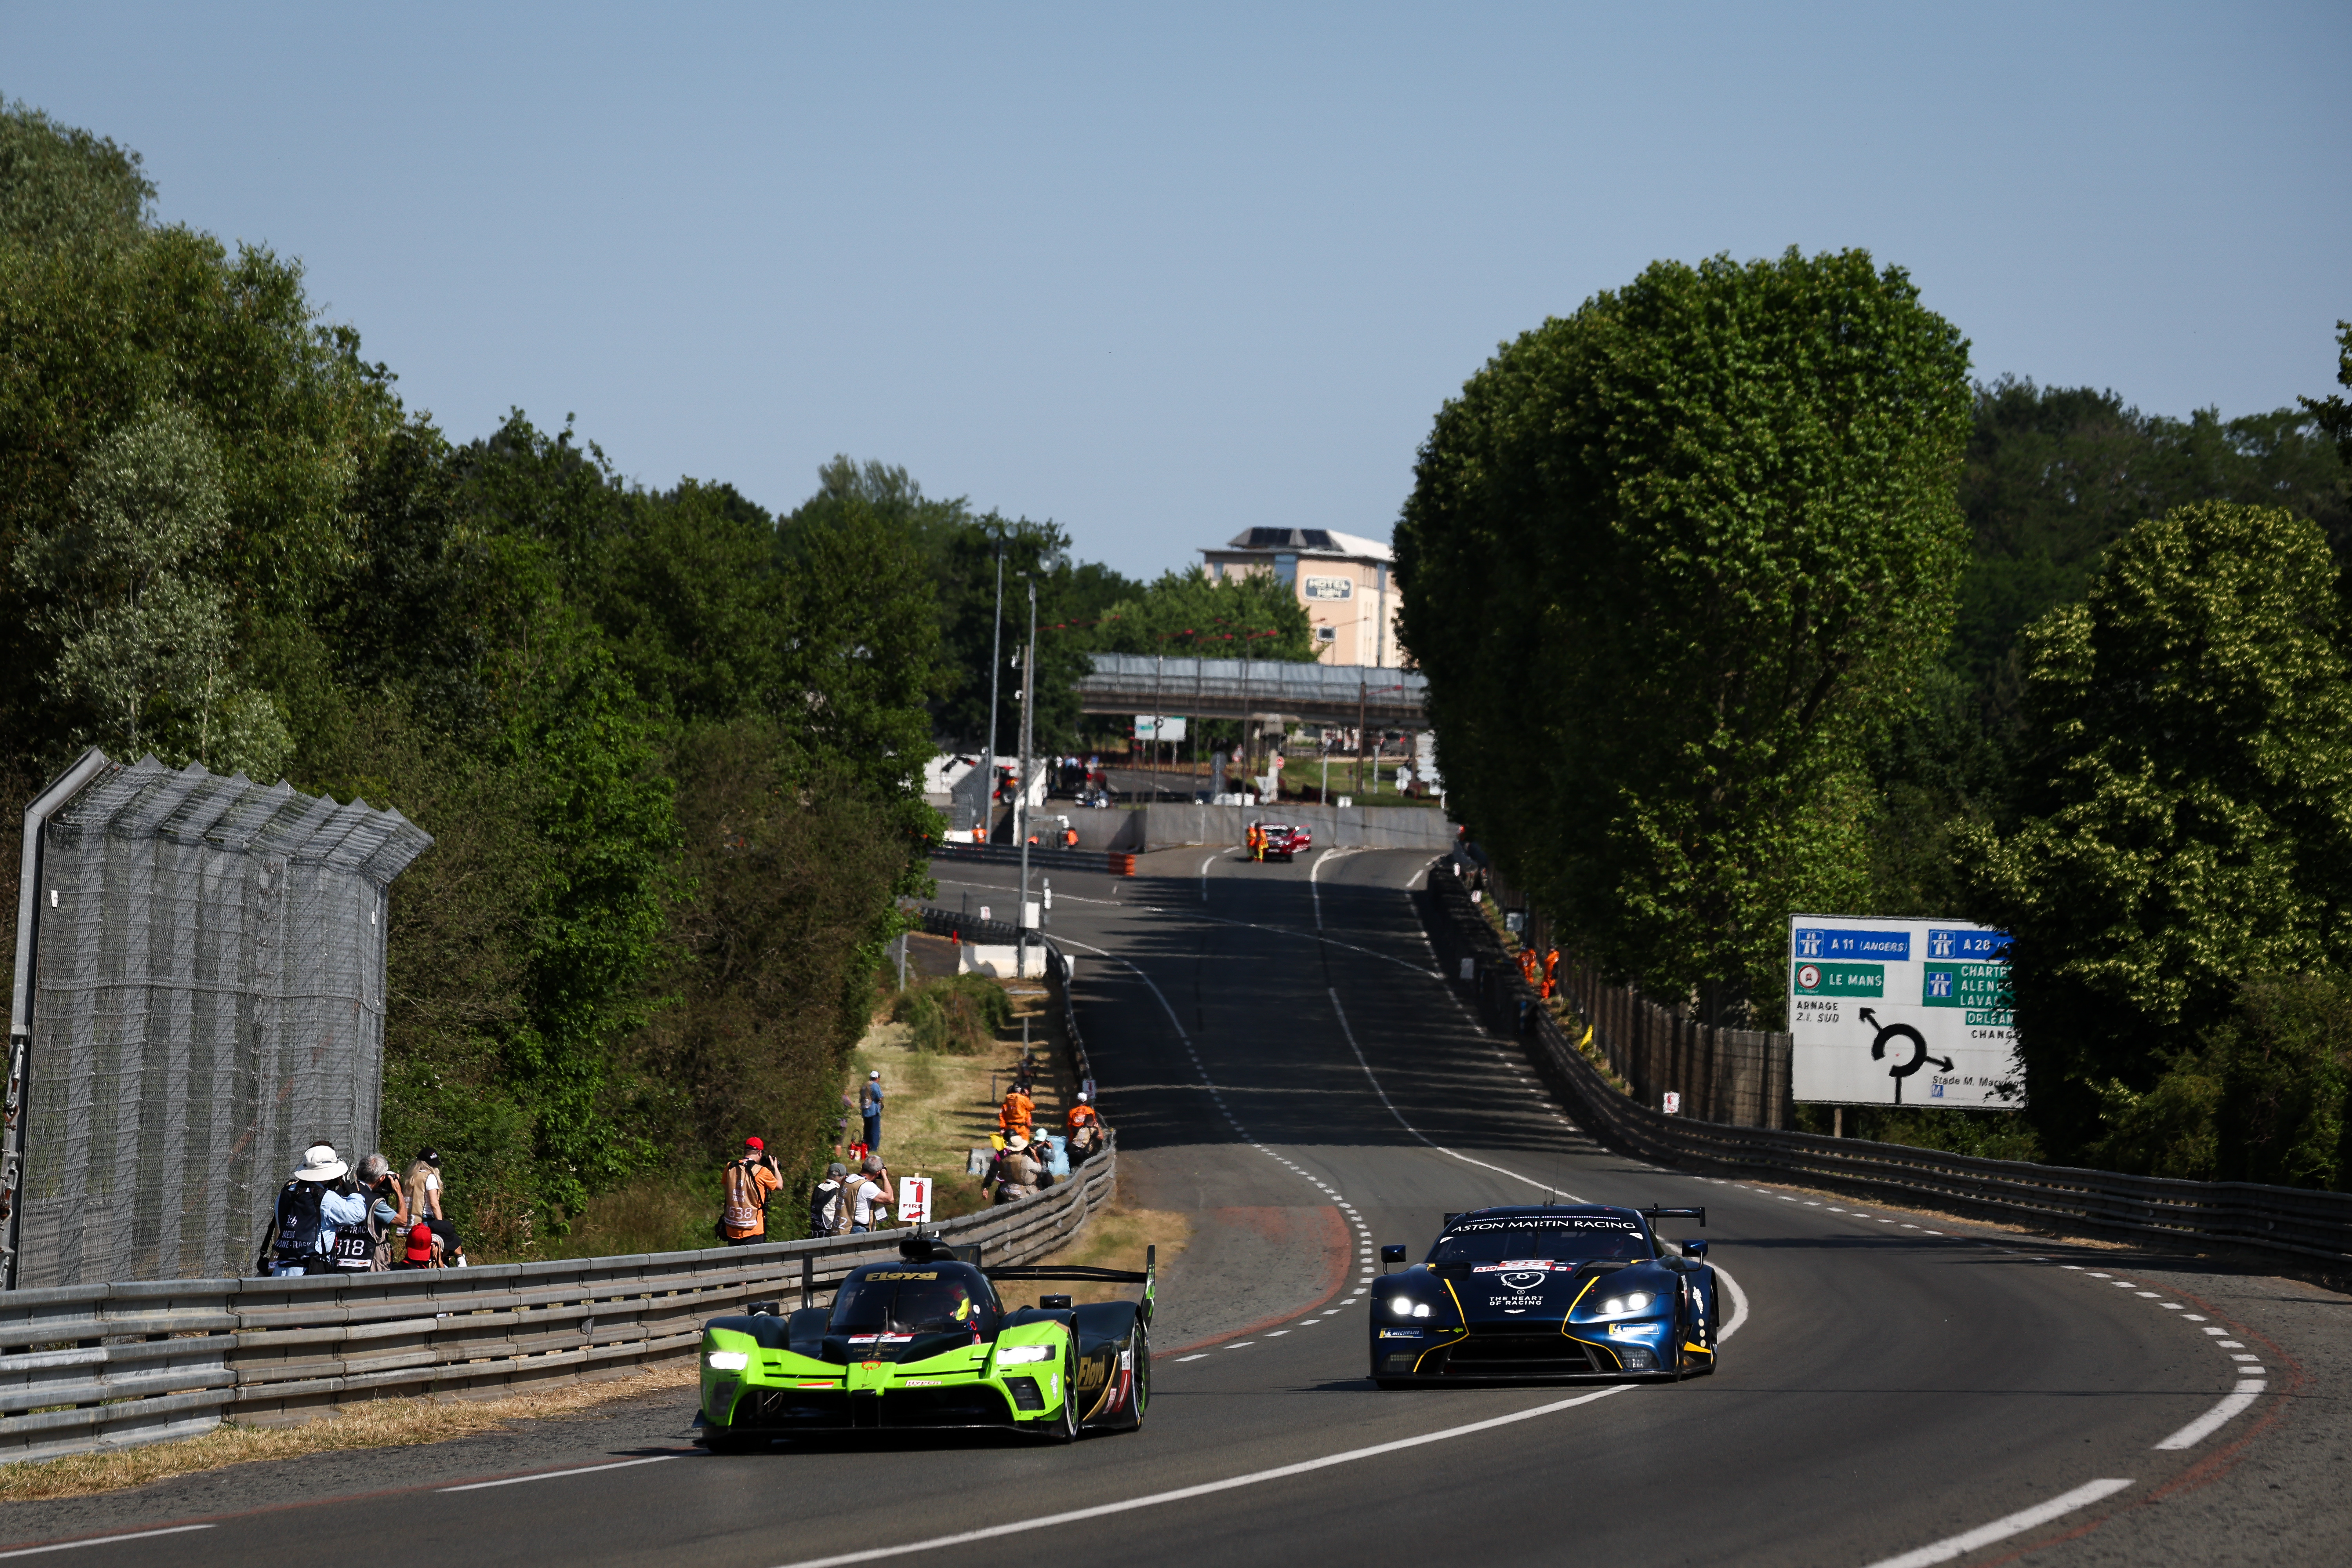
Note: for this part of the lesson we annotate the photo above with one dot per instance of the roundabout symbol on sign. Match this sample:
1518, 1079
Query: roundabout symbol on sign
1900, 1071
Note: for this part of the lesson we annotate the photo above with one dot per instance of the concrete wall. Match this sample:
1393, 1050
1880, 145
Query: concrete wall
1356, 828
998, 962
1107, 828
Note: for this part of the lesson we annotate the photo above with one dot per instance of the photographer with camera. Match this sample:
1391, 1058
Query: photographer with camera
869, 1191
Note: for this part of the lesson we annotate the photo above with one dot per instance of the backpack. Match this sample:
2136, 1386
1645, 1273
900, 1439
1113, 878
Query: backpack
828, 1209
298, 1220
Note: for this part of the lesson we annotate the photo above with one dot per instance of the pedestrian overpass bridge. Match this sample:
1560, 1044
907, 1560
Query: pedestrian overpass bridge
1343, 695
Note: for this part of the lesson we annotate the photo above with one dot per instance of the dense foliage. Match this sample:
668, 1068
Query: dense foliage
2185, 819
2121, 733
669, 746
1670, 563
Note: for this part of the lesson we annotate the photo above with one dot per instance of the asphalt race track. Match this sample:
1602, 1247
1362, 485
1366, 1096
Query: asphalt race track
1280, 1056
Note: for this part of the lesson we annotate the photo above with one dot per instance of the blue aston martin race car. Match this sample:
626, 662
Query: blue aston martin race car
1551, 1292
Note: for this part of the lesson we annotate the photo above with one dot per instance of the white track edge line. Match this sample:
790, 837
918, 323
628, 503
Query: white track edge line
2232, 1405
1205, 1488
555, 1474
103, 1539
2001, 1529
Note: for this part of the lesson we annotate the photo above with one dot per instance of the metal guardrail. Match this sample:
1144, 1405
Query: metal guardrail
969, 928
90, 1367
84, 1368
1112, 862
2284, 1219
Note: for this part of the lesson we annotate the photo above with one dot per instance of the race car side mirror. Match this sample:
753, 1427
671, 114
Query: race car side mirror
1391, 1253
1694, 1250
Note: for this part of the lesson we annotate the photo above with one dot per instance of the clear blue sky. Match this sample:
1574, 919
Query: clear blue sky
1163, 273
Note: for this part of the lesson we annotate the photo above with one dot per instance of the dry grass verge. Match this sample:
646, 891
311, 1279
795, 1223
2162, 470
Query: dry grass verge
379, 1424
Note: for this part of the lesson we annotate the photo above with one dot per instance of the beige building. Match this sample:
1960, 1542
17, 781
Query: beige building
1346, 583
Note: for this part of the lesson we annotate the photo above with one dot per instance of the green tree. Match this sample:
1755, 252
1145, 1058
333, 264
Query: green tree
141, 628
2333, 413
1186, 616
1670, 563
221, 537
61, 186
891, 496
769, 948
2055, 475
1072, 598
2186, 816
102, 337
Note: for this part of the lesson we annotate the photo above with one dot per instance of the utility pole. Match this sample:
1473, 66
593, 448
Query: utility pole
1361, 733
1158, 702
1021, 797
995, 666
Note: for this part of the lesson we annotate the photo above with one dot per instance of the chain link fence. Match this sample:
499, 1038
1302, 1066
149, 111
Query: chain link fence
199, 996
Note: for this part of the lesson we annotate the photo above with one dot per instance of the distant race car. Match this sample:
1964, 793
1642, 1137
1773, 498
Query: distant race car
1551, 1292
1284, 840
928, 1342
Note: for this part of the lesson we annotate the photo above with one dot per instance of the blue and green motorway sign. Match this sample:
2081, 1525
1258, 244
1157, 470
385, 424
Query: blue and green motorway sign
1981, 990
1900, 1012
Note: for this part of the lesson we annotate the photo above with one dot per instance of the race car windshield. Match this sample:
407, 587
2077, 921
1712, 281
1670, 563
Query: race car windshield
905, 1306
1559, 1241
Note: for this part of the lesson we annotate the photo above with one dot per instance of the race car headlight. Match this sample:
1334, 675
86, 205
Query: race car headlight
1402, 1307
1625, 1306
1021, 1355
729, 1361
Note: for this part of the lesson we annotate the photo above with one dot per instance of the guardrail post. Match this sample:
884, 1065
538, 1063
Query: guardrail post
808, 1280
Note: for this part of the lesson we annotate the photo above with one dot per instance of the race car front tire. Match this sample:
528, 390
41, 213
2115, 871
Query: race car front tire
1065, 1429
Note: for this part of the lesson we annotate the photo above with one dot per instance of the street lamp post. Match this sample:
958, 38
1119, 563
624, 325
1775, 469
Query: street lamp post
995, 667
1021, 798
1158, 676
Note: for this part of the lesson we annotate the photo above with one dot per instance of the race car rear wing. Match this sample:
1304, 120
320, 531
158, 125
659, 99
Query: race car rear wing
1698, 1214
1148, 1277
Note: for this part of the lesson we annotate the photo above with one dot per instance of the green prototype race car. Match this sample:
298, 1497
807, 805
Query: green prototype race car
927, 1342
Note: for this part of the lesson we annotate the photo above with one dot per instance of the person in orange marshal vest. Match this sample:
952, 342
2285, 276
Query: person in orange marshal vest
1016, 1113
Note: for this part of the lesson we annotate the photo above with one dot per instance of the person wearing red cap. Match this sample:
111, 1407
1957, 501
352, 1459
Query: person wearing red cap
751, 1181
423, 1249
